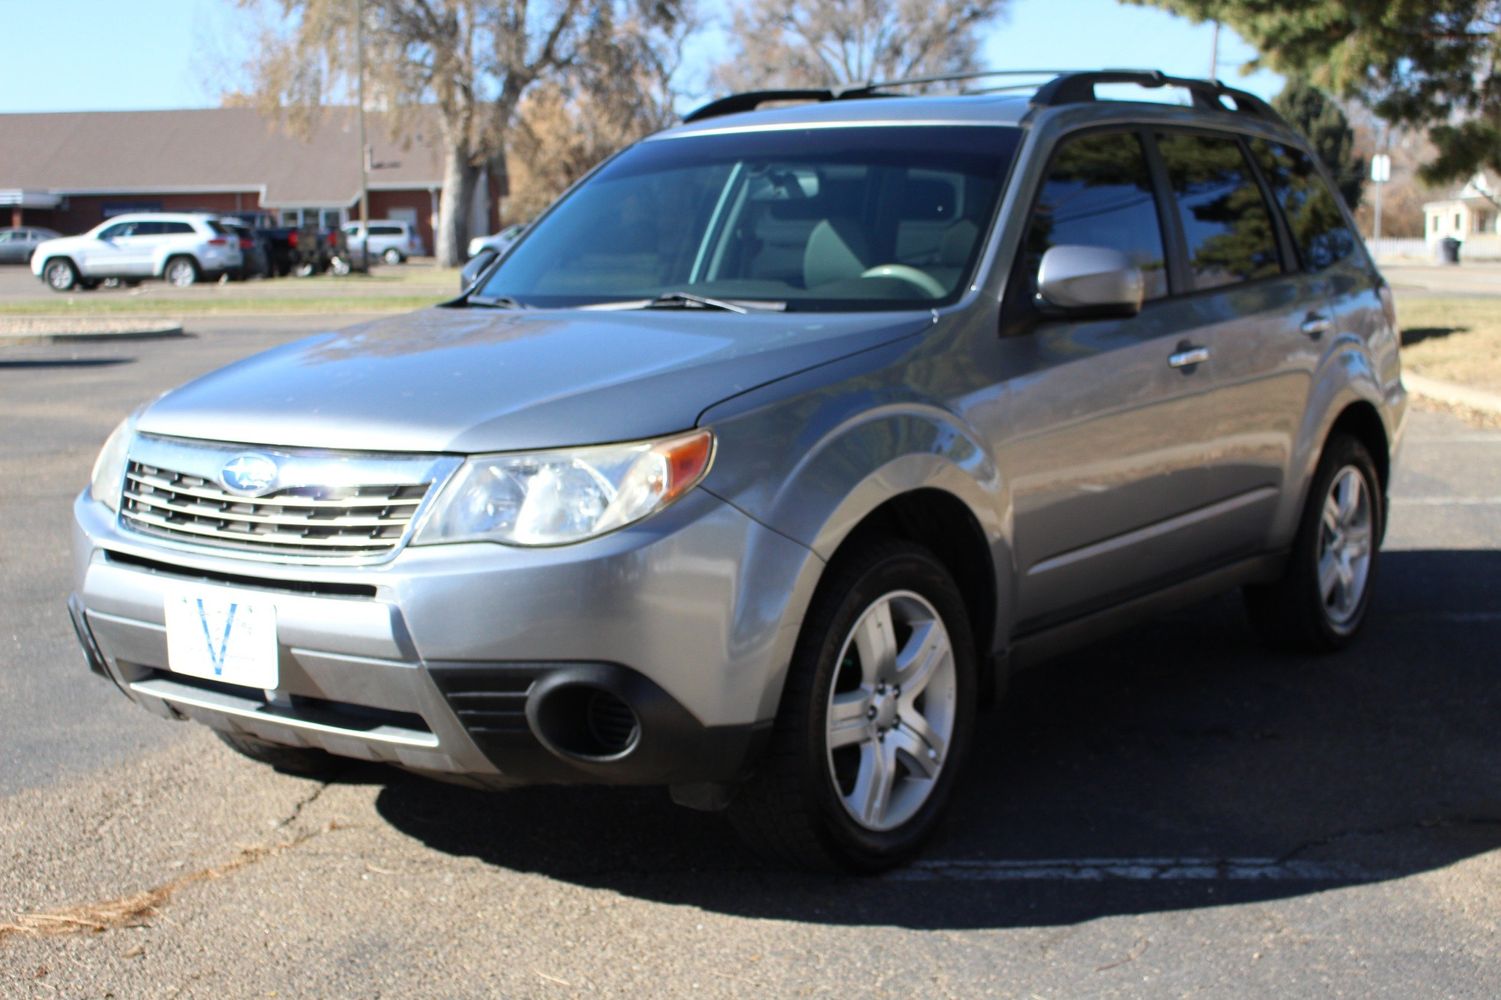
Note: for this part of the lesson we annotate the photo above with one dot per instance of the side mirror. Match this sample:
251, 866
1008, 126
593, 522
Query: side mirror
1089, 283
472, 270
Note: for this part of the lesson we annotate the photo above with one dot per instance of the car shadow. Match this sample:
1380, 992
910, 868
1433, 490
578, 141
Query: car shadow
1182, 738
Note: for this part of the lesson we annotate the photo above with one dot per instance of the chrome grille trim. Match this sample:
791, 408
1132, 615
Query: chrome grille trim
325, 507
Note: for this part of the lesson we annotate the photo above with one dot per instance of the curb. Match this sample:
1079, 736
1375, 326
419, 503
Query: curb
1454, 395
50, 330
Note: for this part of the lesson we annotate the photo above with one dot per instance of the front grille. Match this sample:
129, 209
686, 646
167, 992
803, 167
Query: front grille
346, 522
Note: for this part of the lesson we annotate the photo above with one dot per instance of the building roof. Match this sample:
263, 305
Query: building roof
214, 149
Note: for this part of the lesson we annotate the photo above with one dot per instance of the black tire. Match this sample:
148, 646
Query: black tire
181, 272
392, 256
791, 809
300, 761
1295, 613
60, 274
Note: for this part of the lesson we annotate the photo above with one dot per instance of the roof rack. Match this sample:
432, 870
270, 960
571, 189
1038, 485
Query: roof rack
1207, 95
1062, 87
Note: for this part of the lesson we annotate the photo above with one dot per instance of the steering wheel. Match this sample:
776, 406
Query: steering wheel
911, 275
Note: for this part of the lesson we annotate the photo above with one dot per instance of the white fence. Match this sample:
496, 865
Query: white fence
1478, 246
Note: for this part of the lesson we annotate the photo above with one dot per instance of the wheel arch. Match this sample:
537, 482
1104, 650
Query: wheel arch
944, 525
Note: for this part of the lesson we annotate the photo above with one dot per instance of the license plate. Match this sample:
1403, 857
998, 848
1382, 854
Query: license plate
222, 635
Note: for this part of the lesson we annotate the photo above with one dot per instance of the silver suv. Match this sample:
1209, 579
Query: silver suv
768, 452
182, 248
391, 240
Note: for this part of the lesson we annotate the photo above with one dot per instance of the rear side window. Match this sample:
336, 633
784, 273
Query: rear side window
1312, 213
1098, 192
385, 231
1227, 227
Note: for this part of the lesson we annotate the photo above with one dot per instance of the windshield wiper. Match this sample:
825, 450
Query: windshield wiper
495, 302
692, 300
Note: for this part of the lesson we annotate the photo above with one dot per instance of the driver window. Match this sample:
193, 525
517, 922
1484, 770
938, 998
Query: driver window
1097, 192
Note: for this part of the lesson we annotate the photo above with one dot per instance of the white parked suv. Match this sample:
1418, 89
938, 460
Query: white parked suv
181, 247
391, 240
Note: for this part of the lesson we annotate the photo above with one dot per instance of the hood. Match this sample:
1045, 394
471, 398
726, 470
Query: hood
477, 380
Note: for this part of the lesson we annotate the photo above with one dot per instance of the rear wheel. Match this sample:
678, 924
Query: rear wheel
181, 272
60, 274
391, 256
291, 760
874, 722
1321, 601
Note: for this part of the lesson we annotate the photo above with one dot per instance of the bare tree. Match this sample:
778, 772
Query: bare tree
819, 43
624, 88
471, 61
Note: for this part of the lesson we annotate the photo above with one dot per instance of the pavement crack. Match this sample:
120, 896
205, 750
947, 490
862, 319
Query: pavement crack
301, 804
136, 910
1427, 823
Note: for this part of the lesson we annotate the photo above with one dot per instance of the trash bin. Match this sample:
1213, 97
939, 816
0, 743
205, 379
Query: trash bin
1448, 250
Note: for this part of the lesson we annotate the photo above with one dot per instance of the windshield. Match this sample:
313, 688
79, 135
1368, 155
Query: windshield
832, 218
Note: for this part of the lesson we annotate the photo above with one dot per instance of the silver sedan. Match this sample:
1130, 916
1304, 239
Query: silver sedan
17, 244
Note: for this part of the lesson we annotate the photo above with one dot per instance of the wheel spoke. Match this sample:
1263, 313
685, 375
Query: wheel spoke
848, 721
877, 774
1329, 576
915, 665
1348, 492
1331, 514
922, 744
875, 638
1358, 542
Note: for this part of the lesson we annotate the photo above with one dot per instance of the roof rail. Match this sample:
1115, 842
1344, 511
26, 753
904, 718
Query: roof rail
1078, 88
753, 99
1062, 87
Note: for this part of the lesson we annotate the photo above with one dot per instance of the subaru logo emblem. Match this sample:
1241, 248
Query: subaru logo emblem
249, 473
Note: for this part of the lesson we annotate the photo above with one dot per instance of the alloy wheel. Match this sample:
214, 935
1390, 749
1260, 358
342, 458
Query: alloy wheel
891, 710
1345, 545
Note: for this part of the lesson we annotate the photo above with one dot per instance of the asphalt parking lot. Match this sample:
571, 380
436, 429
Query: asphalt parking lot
1174, 812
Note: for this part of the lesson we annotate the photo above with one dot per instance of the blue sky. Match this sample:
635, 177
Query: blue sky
96, 55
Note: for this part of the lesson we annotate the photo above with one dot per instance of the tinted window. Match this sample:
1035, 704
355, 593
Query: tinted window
1318, 227
1098, 192
118, 230
384, 231
182, 228
1226, 224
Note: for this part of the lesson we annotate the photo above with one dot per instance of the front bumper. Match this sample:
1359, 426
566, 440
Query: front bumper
462, 659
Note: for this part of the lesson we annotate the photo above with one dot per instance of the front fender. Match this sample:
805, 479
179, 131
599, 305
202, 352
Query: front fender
812, 463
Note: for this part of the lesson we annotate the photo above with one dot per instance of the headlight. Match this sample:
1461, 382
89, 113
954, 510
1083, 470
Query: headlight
109, 468
557, 497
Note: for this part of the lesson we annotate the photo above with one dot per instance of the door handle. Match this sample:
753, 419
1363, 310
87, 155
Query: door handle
1316, 325
1188, 356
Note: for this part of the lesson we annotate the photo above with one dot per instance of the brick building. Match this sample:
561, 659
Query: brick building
71, 171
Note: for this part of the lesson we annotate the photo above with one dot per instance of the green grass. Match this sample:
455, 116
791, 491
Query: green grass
1454, 339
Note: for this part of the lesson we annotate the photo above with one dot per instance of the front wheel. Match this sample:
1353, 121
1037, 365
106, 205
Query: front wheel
875, 718
60, 274
1320, 603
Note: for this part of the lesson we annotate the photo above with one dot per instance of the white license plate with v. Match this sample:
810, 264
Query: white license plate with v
221, 635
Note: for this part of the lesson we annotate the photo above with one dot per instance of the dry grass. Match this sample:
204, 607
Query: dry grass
136, 910
1453, 339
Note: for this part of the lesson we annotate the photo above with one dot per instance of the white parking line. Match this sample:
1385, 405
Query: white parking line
1134, 870
1448, 617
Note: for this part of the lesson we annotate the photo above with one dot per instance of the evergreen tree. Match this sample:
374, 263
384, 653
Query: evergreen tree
1428, 63
1311, 111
